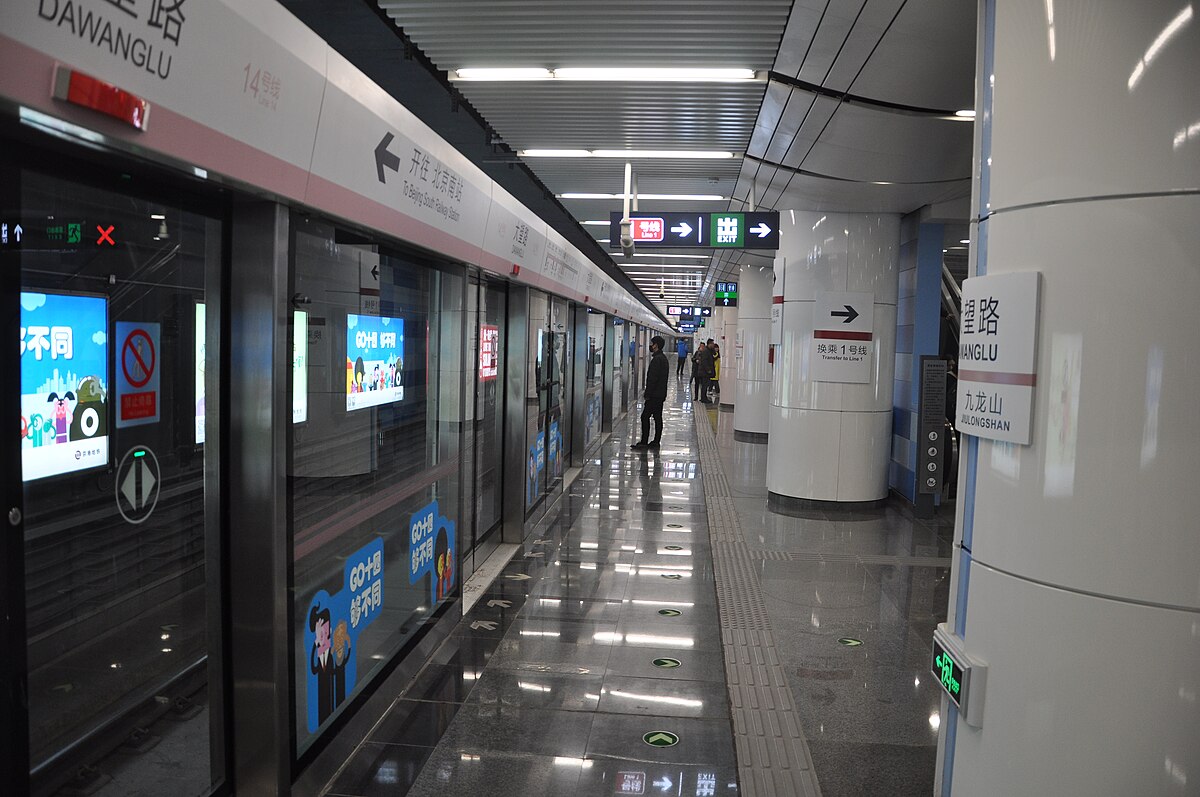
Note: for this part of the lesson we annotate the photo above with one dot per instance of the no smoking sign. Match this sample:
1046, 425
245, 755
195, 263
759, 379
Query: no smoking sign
137, 373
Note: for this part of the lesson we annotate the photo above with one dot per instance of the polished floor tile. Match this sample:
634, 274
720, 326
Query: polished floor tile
551, 683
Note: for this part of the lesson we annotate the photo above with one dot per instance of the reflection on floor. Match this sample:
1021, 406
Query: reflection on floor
593, 664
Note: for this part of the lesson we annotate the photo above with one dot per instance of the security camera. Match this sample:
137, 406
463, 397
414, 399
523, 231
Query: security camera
627, 237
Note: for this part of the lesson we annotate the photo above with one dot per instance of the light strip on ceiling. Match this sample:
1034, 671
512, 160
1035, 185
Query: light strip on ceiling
686, 197
628, 154
603, 74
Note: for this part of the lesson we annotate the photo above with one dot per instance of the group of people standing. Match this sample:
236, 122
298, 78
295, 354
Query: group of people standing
706, 370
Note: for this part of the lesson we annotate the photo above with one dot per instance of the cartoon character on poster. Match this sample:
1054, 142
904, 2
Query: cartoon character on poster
331, 630
432, 550
64, 356
374, 361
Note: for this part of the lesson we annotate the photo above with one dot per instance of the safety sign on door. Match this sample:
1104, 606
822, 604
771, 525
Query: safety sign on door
843, 339
137, 373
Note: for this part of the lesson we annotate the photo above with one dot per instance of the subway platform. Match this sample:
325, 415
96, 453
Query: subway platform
664, 633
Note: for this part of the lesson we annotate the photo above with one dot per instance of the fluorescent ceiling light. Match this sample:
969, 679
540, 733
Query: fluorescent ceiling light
688, 197
639, 74
701, 75
505, 73
965, 241
675, 257
595, 222
968, 113
628, 154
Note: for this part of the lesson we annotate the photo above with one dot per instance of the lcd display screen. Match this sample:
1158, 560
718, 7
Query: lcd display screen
64, 383
374, 360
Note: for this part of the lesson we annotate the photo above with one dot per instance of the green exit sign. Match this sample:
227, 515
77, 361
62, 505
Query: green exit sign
950, 673
962, 676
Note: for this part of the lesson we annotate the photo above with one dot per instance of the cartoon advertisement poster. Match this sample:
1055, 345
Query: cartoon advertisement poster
374, 360
64, 389
331, 630
432, 550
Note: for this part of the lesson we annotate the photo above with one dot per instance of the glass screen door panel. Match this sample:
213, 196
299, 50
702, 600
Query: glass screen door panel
112, 383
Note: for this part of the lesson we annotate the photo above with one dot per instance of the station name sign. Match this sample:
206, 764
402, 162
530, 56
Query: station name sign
698, 230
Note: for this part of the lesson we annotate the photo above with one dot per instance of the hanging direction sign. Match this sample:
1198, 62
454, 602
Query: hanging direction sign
703, 230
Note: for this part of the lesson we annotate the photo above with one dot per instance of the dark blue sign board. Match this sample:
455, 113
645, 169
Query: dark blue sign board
698, 230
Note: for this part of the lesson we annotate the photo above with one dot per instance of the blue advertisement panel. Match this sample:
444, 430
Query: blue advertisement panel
374, 360
432, 550
64, 387
331, 633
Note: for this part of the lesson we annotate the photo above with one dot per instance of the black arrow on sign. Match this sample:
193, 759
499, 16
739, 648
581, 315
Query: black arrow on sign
375, 269
849, 315
384, 158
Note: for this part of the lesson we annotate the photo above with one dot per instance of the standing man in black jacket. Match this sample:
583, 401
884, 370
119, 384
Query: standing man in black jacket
655, 395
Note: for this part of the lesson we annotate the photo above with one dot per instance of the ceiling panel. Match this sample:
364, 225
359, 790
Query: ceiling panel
916, 54
560, 33
868, 144
926, 59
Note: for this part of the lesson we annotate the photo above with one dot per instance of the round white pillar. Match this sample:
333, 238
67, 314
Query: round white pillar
751, 355
1076, 571
830, 441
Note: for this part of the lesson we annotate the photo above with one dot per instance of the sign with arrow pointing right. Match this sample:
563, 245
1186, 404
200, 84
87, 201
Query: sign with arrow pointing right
843, 346
694, 229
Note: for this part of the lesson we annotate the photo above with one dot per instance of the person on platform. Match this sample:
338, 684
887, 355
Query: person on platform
706, 369
682, 350
655, 394
696, 355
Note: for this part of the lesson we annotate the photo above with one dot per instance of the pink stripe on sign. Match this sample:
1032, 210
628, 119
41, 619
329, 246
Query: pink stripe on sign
776, 300
838, 334
26, 75
998, 378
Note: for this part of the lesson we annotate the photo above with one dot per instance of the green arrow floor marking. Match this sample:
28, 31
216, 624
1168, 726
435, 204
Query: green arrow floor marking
660, 739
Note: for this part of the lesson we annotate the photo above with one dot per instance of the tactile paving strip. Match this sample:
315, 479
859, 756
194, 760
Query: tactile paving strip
772, 755
852, 558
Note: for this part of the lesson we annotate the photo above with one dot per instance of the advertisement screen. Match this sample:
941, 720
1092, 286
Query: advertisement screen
374, 360
199, 373
300, 367
64, 385
489, 352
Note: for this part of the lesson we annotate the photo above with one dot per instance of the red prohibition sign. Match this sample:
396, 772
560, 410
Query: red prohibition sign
129, 349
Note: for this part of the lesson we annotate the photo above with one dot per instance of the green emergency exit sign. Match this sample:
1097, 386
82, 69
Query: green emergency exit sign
949, 672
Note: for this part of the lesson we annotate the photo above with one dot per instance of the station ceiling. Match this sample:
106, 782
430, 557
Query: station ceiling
850, 106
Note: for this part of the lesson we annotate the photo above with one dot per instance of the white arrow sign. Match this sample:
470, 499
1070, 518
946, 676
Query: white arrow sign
486, 625
500, 604
517, 576
664, 784
682, 229
761, 229
17, 232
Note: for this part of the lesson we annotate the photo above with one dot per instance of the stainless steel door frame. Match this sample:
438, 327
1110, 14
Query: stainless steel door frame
516, 360
607, 400
259, 415
578, 390
14, 701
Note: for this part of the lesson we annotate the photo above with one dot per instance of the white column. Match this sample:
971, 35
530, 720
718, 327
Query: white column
1076, 570
831, 440
751, 354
